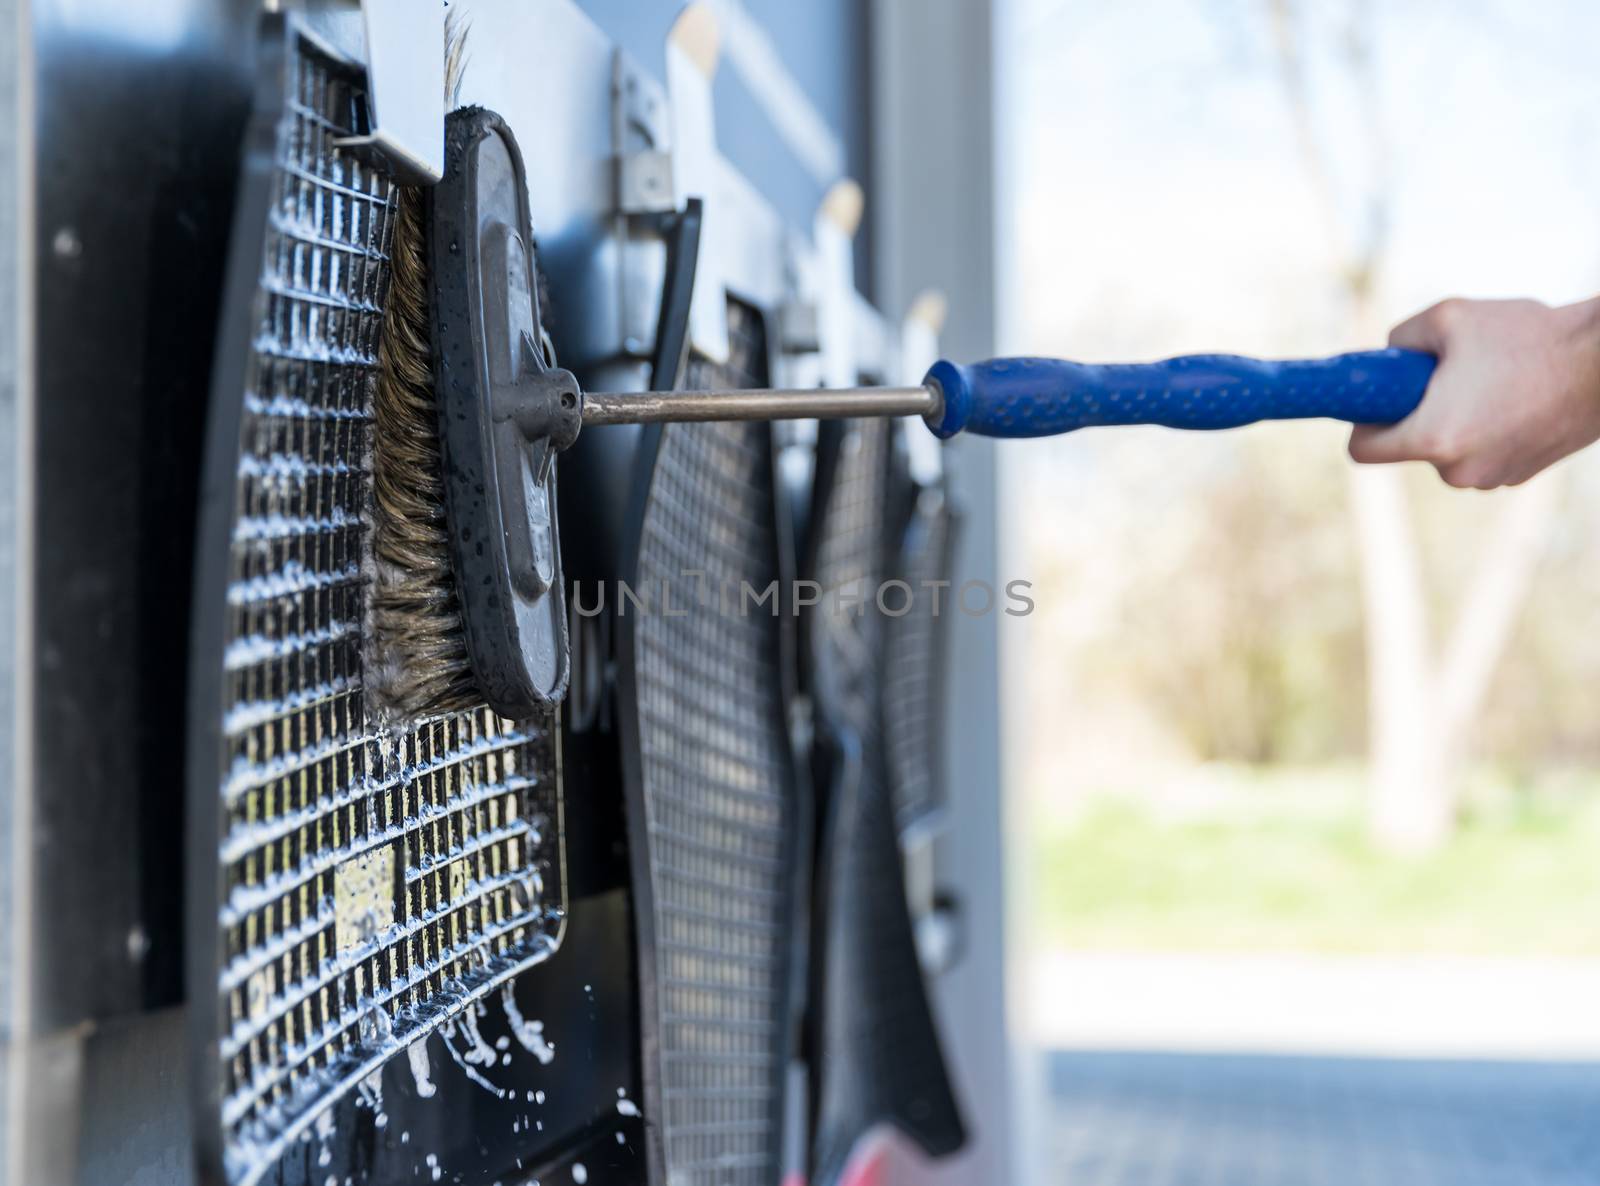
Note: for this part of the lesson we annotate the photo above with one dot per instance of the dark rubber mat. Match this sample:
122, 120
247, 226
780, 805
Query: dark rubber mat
375, 876
712, 795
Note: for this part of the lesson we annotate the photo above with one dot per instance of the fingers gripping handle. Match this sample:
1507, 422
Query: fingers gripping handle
1035, 397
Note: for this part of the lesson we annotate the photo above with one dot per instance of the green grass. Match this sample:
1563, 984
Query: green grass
1269, 872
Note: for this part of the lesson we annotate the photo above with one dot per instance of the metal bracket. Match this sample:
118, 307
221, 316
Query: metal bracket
640, 141
799, 327
941, 935
693, 46
405, 88
644, 182
658, 233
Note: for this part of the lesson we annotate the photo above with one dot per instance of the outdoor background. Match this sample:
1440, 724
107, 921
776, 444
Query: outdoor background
1305, 761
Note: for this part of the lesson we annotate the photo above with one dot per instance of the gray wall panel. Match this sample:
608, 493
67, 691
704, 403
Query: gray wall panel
823, 45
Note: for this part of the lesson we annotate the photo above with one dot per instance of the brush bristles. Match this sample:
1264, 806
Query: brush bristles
420, 665
423, 665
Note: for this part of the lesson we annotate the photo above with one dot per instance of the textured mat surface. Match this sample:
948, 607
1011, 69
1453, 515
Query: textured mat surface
878, 1053
713, 805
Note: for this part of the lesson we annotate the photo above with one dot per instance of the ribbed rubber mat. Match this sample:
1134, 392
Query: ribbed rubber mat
877, 1054
913, 682
712, 795
375, 877
851, 559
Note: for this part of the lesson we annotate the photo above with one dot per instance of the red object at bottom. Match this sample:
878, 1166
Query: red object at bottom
869, 1162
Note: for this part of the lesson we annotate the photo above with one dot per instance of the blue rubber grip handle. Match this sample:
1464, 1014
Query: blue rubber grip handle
1037, 397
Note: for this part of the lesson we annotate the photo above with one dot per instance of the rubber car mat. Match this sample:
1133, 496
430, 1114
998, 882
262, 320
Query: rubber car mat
875, 1049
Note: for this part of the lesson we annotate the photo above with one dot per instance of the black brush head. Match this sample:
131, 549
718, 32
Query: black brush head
504, 413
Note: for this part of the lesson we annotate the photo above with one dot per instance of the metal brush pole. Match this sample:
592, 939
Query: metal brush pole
810, 403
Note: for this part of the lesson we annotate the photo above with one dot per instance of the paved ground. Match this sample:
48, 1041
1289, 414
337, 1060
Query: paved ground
1152, 1119
1339, 1072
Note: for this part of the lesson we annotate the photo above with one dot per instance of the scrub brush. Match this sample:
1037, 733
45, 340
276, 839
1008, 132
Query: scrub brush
470, 413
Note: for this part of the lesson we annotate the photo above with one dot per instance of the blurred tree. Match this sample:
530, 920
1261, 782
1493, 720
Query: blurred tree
1421, 706
1240, 662
1210, 613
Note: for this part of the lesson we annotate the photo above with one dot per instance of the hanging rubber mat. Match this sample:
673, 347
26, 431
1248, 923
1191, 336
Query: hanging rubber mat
712, 798
915, 642
877, 1058
357, 881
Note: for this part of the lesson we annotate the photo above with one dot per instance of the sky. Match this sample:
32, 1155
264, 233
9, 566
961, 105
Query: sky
1154, 201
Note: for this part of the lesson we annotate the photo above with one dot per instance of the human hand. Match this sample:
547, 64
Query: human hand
1517, 389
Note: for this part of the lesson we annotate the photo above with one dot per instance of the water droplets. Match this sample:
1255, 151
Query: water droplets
370, 1091
421, 1069
530, 1034
323, 1129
